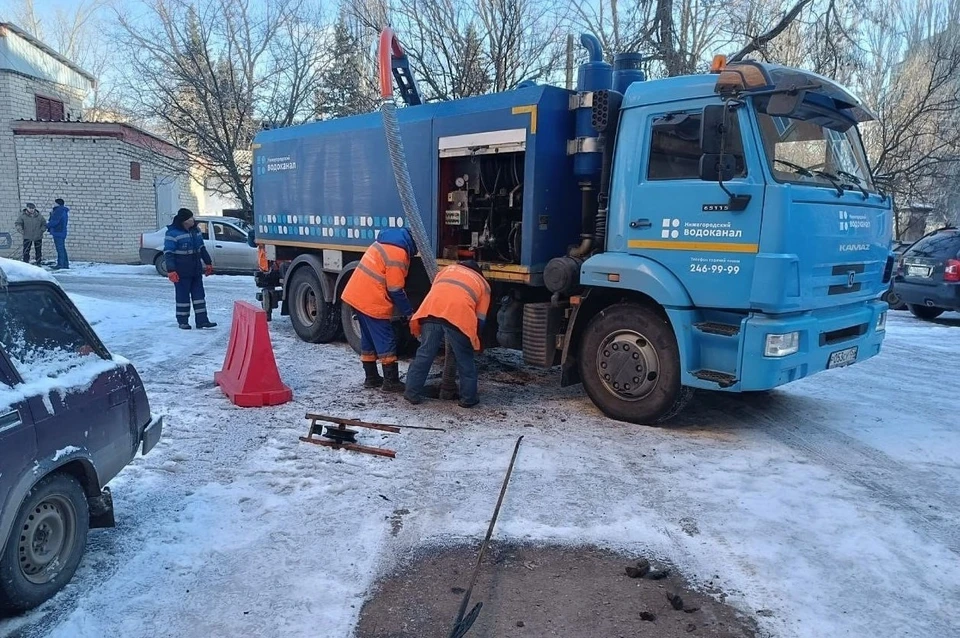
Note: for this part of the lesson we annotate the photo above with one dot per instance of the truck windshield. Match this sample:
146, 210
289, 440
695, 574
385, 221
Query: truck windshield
805, 152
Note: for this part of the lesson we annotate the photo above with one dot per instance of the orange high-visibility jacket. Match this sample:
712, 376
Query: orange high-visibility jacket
383, 269
459, 296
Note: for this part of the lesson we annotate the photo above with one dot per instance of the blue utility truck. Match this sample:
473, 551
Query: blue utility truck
718, 231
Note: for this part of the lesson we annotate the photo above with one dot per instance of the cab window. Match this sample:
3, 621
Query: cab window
675, 146
39, 334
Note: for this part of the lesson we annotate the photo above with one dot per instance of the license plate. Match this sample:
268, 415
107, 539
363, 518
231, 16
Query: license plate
918, 271
842, 358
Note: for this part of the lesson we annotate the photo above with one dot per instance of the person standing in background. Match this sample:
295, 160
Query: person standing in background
58, 230
187, 262
31, 224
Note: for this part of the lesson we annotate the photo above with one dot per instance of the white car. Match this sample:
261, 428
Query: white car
226, 241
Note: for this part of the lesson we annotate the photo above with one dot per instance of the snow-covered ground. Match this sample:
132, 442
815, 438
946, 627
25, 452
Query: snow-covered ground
833, 504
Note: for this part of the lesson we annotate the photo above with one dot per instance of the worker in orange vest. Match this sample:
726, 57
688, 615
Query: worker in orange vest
376, 293
456, 308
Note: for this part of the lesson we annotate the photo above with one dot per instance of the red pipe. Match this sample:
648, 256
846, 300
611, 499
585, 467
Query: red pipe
389, 49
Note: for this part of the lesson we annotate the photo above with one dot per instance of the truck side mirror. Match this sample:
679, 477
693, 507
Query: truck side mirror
713, 123
717, 168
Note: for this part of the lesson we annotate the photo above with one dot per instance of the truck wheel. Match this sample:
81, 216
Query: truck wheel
351, 327
160, 263
46, 544
925, 312
630, 365
314, 320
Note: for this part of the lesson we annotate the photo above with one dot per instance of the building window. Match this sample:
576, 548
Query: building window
49, 109
135, 171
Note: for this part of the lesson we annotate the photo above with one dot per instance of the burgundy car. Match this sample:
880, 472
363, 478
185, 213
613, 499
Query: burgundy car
71, 417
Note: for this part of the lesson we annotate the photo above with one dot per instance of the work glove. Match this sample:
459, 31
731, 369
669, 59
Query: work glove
208, 270
174, 277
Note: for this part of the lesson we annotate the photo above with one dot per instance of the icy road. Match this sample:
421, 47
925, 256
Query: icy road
832, 506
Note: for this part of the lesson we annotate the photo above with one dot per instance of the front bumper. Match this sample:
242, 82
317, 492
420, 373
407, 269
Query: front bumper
942, 295
822, 333
151, 434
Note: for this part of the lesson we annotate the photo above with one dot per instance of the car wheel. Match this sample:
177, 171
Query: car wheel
314, 320
893, 299
160, 263
925, 312
630, 366
46, 544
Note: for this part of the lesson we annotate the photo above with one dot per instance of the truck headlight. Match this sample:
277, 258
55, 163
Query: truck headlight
882, 321
782, 345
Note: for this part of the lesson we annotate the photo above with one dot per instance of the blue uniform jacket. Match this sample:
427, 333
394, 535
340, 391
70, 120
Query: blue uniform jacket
58, 221
184, 251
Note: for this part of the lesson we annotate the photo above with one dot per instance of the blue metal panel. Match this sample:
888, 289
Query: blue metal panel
331, 182
676, 89
636, 273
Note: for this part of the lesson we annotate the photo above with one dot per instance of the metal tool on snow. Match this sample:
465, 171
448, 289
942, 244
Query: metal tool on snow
340, 437
463, 622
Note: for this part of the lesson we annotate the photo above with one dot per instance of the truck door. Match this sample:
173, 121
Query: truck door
683, 222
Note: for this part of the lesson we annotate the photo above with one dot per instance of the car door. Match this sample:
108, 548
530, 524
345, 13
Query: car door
18, 442
231, 243
79, 396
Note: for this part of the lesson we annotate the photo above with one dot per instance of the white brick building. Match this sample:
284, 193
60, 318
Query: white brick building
117, 180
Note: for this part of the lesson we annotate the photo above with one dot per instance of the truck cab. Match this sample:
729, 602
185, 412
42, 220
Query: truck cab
743, 210
72, 416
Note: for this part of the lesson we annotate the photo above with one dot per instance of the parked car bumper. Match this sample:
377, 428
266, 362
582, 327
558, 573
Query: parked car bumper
151, 434
147, 255
942, 295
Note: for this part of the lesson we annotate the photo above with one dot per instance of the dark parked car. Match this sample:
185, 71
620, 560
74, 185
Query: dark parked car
928, 274
71, 417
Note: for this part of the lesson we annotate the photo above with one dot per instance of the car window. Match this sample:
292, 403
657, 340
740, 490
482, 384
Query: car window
942, 245
39, 335
226, 232
203, 229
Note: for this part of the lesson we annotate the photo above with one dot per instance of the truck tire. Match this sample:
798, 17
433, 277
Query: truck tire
313, 318
160, 263
351, 327
47, 542
926, 313
631, 337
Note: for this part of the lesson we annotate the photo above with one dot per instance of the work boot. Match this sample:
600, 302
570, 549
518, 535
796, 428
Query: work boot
206, 324
183, 326
391, 378
468, 404
373, 378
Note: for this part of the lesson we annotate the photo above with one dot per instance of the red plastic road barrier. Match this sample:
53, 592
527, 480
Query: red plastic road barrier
249, 376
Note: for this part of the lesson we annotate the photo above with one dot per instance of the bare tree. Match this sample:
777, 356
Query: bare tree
915, 143
212, 73
460, 48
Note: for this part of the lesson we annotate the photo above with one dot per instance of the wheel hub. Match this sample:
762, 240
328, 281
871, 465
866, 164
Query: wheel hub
46, 533
628, 365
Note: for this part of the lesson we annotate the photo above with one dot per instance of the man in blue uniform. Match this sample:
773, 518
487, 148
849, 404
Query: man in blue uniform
187, 261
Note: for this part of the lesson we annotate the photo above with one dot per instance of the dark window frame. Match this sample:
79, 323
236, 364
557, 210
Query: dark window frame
71, 314
695, 121
50, 109
135, 171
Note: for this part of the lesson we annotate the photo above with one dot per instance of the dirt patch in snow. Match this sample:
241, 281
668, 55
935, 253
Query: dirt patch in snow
529, 592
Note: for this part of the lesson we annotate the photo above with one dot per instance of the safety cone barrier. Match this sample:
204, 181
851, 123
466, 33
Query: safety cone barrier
249, 376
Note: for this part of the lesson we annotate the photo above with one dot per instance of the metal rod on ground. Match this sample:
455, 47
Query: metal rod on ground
459, 630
